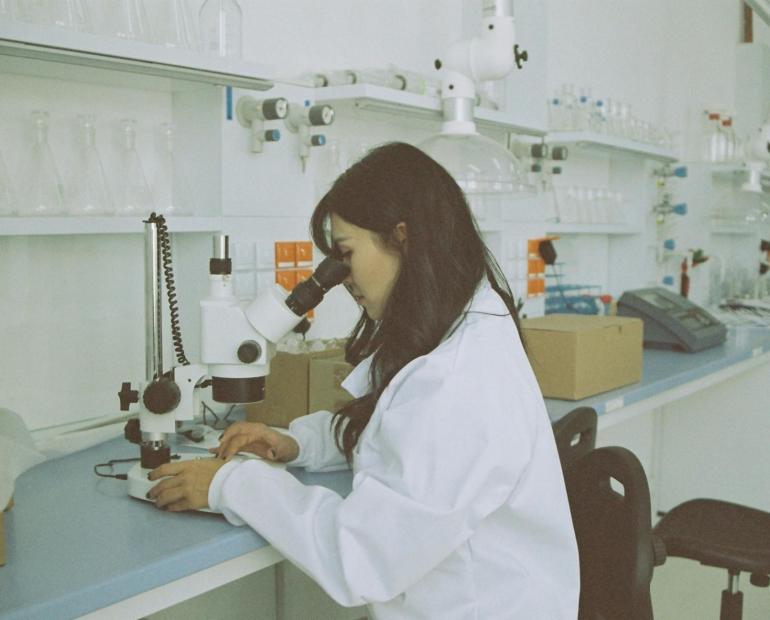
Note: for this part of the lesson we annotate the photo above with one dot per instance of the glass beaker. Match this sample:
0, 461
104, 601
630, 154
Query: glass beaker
8, 203
132, 194
88, 192
172, 191
41, 190
220, 26
173, 25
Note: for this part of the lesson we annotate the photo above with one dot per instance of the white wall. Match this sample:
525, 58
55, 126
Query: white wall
71, 307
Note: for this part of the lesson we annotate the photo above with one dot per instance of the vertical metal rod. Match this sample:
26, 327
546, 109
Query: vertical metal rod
152, 317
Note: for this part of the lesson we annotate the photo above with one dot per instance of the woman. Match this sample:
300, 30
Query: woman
458, 507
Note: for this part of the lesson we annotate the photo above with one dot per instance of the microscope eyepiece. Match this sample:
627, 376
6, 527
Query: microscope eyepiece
308, 294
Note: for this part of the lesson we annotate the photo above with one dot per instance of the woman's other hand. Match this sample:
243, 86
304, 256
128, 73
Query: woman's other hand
258, 439
185, 485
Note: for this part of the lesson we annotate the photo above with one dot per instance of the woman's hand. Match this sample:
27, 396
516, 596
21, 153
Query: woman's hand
187, 487
258, 439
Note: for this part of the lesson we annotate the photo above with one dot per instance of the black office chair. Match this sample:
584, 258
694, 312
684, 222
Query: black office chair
721, 534
613, 527
575, 434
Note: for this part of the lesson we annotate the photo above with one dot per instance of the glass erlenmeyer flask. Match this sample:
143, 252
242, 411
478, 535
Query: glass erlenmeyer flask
64, 13
88, 193
220, 26
132, 195
171, 184
173, 25
8, 204
127, 19
8, 10
41, 189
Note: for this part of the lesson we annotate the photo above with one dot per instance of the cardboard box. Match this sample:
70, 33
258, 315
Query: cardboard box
300, 383
575, 356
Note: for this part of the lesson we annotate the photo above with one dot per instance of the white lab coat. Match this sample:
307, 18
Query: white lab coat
458, 508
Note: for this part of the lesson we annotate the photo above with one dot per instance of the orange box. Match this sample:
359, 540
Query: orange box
285, 254
287, 278
535, 287
304, 253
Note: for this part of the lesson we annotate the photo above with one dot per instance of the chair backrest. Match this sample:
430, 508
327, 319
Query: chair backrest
610, 503
575, 435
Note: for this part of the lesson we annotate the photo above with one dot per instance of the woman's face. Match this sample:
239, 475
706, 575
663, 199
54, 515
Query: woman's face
374, 267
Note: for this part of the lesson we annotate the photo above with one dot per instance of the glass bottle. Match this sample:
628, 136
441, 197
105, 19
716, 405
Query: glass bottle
88, 189
174, 26
171, 186
729, 139
41, 190
8, 203
132, 193
220, 26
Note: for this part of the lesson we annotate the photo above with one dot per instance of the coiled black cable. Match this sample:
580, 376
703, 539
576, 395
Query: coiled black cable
164, 243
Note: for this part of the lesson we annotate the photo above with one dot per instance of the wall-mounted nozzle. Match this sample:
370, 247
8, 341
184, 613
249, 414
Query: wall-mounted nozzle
253, 113
301, 118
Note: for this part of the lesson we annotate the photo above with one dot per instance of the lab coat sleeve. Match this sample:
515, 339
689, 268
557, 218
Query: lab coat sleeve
318, 451
449, 456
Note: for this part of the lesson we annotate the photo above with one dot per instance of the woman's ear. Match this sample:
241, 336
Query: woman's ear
399, 232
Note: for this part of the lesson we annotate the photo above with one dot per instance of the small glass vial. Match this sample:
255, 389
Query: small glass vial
133, 196
220, 26
41, 189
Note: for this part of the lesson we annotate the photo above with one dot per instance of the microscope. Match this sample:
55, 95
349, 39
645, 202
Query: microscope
238, 341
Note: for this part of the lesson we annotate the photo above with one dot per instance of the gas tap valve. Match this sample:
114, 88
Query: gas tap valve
300, 120
253, 113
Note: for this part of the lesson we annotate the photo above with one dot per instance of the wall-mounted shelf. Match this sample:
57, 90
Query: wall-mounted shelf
369, 96
565, 228
612, 145
100, 225
58, 45
733, 229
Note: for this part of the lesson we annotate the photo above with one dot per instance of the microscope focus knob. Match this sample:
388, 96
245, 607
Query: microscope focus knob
127, 396
162, 396
249, 351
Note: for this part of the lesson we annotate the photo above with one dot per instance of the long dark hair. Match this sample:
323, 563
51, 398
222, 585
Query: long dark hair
443, 263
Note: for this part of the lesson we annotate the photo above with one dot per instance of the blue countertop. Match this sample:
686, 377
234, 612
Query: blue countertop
664, 370
76, 543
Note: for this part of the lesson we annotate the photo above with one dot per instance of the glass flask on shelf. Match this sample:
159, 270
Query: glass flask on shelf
41, 188
125, 19
174, 25
88, 192
132, 194
72, 14
8, 202
171, 183
220, 26
8, 10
